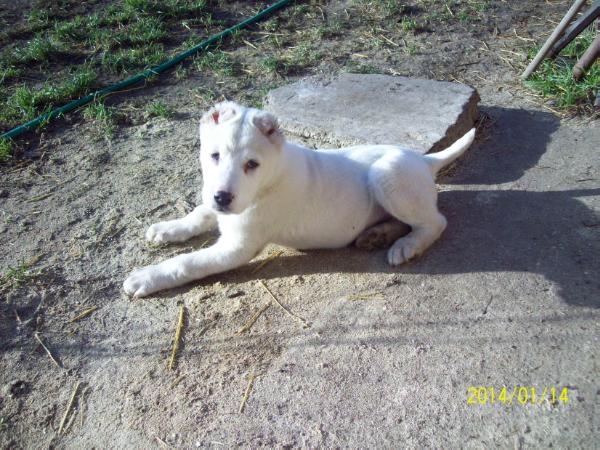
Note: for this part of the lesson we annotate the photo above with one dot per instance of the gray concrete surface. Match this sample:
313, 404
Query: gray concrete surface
377, 109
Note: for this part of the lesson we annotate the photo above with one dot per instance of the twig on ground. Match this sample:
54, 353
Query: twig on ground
390, 41
177, 339
177, 380
83, 314
366, 296
69, 406
253, 319
161, 442
81, 405
267, 260
37, 198
304, 323
251, 379
48, 352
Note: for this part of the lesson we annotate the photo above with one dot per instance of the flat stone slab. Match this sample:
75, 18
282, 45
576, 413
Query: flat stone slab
354, 109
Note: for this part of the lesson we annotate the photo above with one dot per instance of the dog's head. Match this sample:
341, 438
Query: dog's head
240, 149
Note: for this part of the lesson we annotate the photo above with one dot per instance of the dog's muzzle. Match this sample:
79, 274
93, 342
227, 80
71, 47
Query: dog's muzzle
223, 199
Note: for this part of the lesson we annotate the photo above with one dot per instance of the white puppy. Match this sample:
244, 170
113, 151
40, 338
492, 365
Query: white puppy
260, 189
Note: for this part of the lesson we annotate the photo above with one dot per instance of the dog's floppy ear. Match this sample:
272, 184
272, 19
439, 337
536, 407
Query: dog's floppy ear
219, 113
268, 126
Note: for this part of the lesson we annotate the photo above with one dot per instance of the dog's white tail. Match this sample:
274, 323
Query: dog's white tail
441, 159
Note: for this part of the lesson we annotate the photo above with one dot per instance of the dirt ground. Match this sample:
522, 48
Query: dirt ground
509, 296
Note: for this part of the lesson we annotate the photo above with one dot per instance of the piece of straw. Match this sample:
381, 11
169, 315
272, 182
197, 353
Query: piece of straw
83, 314
267, 260
69, 406
253, 319
177, 339
54, 360
304, 323
366, 296
251, 379
161, 442
177, 380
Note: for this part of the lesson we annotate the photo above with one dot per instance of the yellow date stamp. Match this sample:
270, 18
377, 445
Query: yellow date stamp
517, 395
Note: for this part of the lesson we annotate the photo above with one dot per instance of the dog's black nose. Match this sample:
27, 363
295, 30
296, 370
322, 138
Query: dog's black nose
223, 198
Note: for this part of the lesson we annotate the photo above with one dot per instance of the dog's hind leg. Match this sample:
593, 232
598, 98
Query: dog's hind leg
200, 220
404, 186
381, 235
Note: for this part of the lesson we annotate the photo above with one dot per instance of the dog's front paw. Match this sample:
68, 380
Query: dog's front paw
162, 232
145, 281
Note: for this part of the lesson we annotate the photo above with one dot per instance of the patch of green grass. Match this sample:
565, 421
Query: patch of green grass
103, 117
217, 62
159, 109
40, 49
9, 73
554, 80
103, 40
128, 59
331, 29
174, 9
408, 24
38, 19
181, 72
26, 102
271, 64
146, 29
356, 67
79, 83
72, 30
15, 276
5, 149
114, 39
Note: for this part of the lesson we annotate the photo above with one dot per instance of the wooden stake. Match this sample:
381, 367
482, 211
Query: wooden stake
553, 38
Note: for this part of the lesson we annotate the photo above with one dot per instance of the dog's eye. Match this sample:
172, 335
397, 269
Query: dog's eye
250, 165
215, 157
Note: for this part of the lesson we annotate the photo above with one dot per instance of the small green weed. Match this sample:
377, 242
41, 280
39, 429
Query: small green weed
15, 276
38, 19
102, 116
159, 109
72, 30
408, 24
271, 64
181, 72
218, 62
5, 149
26, 103
129, 59
146, 29
356, 67
9, 73
38, 50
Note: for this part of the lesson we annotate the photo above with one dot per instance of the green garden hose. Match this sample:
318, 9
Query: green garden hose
142, 75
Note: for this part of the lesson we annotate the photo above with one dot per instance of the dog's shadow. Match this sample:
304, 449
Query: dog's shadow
550, 232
